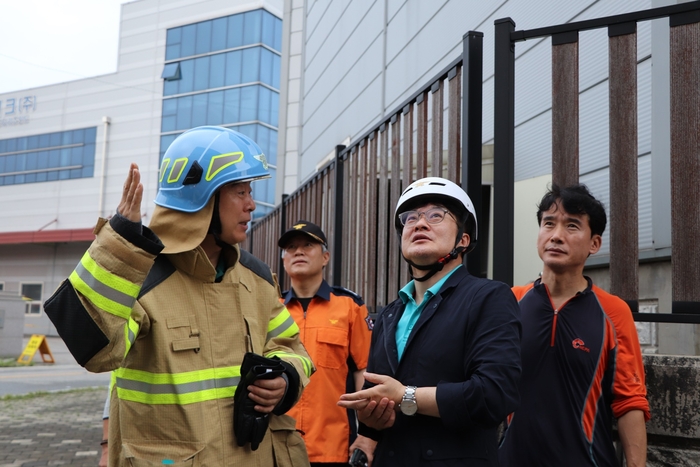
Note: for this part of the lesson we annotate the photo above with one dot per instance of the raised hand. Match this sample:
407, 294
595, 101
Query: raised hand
130, 205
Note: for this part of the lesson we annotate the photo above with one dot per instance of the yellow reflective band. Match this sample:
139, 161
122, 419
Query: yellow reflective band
176, 399
177, 388
305, 362
98, 300
220, 162
176, 171
131, 330
107, 278
163, 166
282, 325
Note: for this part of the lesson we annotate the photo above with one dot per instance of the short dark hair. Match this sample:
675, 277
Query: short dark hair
575, 199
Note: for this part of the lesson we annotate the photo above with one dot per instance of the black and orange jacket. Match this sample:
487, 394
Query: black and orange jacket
582, 367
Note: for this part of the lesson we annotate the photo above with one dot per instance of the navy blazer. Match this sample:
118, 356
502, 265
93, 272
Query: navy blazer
467, 343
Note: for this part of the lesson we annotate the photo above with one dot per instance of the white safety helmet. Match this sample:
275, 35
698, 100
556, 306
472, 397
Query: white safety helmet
440, 190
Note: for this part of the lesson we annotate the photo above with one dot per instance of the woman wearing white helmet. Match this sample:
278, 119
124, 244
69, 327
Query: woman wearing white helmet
448, 195
445, 356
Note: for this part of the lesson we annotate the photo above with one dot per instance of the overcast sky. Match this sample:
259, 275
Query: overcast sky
51, 41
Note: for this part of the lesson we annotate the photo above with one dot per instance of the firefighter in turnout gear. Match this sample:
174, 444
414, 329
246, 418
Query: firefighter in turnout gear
173, 308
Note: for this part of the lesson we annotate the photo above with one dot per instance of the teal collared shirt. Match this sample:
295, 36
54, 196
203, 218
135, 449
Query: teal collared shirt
412, 310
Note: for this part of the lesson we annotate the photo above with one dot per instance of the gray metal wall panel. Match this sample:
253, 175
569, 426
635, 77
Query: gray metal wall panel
320, 23
533, 147
333, 131
644, 107
341, 49
323, 114
594, 137
646, 241
533, 82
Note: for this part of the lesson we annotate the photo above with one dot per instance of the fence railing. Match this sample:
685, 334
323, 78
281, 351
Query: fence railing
684, 22
435, 132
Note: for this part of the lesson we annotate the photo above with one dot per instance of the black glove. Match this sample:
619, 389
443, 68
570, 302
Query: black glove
249, 425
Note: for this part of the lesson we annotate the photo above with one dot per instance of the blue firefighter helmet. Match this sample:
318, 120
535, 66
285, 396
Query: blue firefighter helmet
202, 160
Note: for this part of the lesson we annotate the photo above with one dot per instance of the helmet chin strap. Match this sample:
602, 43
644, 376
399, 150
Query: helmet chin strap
435, 267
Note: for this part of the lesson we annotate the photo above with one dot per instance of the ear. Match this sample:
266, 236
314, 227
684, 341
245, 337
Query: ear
465, 240
596, 242
326, 258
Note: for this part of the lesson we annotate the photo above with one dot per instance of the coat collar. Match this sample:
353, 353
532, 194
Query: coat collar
324, 292
392, 315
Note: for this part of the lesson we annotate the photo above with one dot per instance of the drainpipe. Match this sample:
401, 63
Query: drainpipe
106, 121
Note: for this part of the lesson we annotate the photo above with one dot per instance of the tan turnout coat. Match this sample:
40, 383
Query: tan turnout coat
176, 354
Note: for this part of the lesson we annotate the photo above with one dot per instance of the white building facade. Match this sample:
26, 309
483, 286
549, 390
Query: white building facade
65, 149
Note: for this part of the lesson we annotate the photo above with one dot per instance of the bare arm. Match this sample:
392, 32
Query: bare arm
633, 436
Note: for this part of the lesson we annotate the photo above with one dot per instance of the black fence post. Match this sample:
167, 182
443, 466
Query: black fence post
472, 97
338, 214
283, 229
503, 152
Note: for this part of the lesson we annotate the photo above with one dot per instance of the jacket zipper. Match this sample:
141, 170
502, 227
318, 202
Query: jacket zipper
554, 327
556, 316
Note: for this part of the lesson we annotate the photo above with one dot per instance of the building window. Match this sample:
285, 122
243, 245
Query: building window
171, 72
51, 156
32, 293
229, 75
239, 30
2, 286
250, 65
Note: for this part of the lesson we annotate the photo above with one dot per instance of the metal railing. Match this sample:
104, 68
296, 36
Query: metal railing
684, 22
353, 197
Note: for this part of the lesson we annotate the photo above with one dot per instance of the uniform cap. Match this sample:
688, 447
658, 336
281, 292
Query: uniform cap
305, 227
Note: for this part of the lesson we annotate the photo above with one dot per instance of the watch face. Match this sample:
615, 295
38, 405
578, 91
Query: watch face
408, 407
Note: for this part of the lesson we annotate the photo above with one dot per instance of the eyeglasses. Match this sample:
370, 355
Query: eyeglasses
305, 247
432, 216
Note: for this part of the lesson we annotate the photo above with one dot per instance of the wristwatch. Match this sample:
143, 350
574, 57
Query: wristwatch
408, 403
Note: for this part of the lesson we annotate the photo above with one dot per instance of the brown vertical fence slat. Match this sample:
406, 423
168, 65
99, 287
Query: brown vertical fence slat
436, 91
685, 160
371, 209
394, 266
454, 126
361, 238
407, 171
347, 219
422, 135
383, 224
328, 220
624, 243
565, 108
352, 224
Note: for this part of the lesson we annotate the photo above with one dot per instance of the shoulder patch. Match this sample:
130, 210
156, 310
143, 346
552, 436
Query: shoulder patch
257, 266
161, 270
370, 322
338, 290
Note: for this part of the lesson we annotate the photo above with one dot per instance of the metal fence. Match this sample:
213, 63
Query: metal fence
684, 22
435, 132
